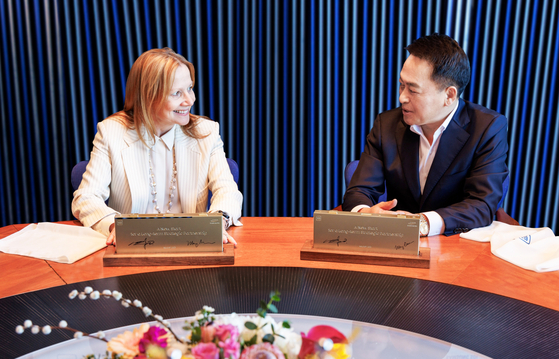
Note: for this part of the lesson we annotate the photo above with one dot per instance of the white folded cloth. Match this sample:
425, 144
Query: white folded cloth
536, 249
54, 242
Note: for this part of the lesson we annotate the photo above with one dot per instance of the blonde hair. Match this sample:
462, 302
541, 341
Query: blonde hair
149, 82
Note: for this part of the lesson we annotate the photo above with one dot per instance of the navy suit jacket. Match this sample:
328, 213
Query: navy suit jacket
465, 182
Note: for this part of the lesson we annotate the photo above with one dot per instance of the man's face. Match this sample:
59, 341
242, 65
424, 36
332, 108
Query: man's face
424, 102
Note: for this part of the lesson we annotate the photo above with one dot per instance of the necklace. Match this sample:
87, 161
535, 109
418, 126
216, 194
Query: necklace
172, 187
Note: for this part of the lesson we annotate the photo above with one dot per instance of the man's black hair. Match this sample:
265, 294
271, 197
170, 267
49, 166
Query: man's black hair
451, 66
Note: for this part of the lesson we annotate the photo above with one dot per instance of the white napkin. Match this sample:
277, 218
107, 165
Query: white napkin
54, 242
535, 249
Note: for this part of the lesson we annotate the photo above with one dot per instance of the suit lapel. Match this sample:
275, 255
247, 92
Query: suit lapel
135, 160
188, 160
408, 149
452, 140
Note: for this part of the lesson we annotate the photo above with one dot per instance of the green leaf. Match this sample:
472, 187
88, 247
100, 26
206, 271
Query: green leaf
261, 312
286, 324
250, 325
272, 308
252, 341
263, 305
268, 338
276, 298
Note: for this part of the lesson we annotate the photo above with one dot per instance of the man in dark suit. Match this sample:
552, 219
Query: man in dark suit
439, 156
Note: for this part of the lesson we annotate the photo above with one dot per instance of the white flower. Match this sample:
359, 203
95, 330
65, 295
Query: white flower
62, 324
146, 311
73, 294
82, 296
35, 329
158, 317
107, 293
100, 334
166, 323
19, 329
291, 345
27, 323
87, 290
94, 295
208, 309
117, 295
137, 303
46, 330
125, 304
176, 354
78, 335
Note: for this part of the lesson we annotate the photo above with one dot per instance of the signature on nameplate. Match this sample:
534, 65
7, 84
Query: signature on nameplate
403, 246
196, 244
336, 240
145, 242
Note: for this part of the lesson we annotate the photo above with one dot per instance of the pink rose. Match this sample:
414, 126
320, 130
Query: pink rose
205, 351
227, 331
262, 351
231, 348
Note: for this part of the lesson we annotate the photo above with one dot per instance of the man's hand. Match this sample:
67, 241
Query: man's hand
384, 207
111, 237
226, 237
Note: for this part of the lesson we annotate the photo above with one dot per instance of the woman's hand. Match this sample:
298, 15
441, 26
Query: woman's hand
111, 237
226, 237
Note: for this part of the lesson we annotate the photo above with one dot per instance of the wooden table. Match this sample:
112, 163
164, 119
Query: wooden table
467, 297
276, 242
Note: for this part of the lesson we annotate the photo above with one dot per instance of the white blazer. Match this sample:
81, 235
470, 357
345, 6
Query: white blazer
118, 170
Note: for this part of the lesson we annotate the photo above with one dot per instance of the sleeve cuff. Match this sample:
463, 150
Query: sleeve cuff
436, 223
358, 208
103, 225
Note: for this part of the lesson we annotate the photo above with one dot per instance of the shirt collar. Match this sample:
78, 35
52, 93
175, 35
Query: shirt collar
418, 130
168, 138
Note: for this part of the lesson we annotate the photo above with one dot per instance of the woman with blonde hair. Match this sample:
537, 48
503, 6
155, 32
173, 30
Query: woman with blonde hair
155, 156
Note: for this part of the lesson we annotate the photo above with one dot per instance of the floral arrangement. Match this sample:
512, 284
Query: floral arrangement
210, 336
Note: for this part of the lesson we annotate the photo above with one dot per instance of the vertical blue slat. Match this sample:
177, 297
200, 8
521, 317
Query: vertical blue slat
335, 136
254, 105
493, 56
329, 97
389, 77
286, 86
168, 24
346, 88
474, 58
127, 33
553, 150
147, 23
311, 154
364, 78
210, 67
112, 77
157, 17
505, 58
418, 33
484, 55
275, 111
92, 75
537, 111
19, 96
45, 175
374, 56
10, 215
105, 112
34, 148
524, 121
302, 114
449, 17
179, 28
260, 107
119, 48
198, 53
267, 120
138, 32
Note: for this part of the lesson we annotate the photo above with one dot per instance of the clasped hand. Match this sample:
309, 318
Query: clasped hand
384, 207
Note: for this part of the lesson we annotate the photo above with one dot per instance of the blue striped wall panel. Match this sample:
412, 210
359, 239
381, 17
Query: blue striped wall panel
295, 85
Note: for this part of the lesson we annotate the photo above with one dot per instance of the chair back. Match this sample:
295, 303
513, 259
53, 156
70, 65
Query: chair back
79, 170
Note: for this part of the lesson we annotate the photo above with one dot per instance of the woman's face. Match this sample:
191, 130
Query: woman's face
177, 104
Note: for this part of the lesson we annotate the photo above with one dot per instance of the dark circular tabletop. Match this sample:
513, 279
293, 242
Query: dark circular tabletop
489, 324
